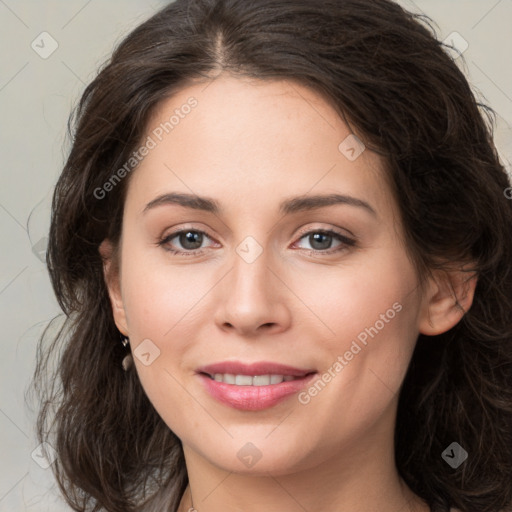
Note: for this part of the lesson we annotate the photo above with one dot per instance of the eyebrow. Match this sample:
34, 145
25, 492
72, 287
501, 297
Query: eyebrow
288, 206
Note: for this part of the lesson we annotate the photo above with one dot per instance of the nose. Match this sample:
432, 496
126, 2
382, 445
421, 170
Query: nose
253, 298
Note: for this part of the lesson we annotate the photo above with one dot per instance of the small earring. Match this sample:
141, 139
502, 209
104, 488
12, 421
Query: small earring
128, 359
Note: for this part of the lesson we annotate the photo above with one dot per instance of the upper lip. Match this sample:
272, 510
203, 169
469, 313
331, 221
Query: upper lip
259, 368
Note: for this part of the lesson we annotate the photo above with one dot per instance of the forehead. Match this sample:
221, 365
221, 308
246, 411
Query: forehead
262, 140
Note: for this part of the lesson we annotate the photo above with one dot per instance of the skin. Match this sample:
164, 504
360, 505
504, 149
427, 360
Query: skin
249, 145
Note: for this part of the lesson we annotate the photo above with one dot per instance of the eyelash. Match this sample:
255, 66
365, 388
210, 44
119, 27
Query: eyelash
345, 242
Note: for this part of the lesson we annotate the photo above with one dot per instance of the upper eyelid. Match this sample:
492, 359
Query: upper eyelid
336, 231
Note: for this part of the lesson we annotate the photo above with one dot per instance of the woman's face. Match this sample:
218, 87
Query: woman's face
256, 281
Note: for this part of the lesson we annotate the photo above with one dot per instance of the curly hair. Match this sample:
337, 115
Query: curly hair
384, 71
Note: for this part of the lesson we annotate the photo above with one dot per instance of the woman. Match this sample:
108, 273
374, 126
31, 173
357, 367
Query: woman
282, 243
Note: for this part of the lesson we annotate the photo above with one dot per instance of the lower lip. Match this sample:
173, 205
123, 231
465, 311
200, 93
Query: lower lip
253, 398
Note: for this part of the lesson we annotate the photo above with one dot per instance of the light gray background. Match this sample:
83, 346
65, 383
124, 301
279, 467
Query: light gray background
36, 96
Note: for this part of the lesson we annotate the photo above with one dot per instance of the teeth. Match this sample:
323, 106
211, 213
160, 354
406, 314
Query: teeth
243, 380
248, 380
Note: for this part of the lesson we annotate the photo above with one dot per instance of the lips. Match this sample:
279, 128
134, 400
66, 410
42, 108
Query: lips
253, 387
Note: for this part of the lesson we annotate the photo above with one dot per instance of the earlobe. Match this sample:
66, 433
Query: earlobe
111, 276
447, 299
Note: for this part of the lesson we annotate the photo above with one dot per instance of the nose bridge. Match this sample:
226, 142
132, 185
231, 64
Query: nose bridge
251, 276
251, 263
251, 296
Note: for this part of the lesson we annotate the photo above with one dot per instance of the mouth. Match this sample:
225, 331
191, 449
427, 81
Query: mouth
252, 380
253, 387
254, 374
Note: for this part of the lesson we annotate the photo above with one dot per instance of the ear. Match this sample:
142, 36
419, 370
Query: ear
447, 298
111, 273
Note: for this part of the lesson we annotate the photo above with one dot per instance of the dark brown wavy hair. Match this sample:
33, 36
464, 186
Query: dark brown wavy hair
392, 81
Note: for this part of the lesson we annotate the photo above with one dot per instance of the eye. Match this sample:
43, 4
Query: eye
321, 239
189, 239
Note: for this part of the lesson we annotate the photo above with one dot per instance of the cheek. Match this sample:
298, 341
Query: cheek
376, 358
159, 298
347, 298
372, 316
161, 303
